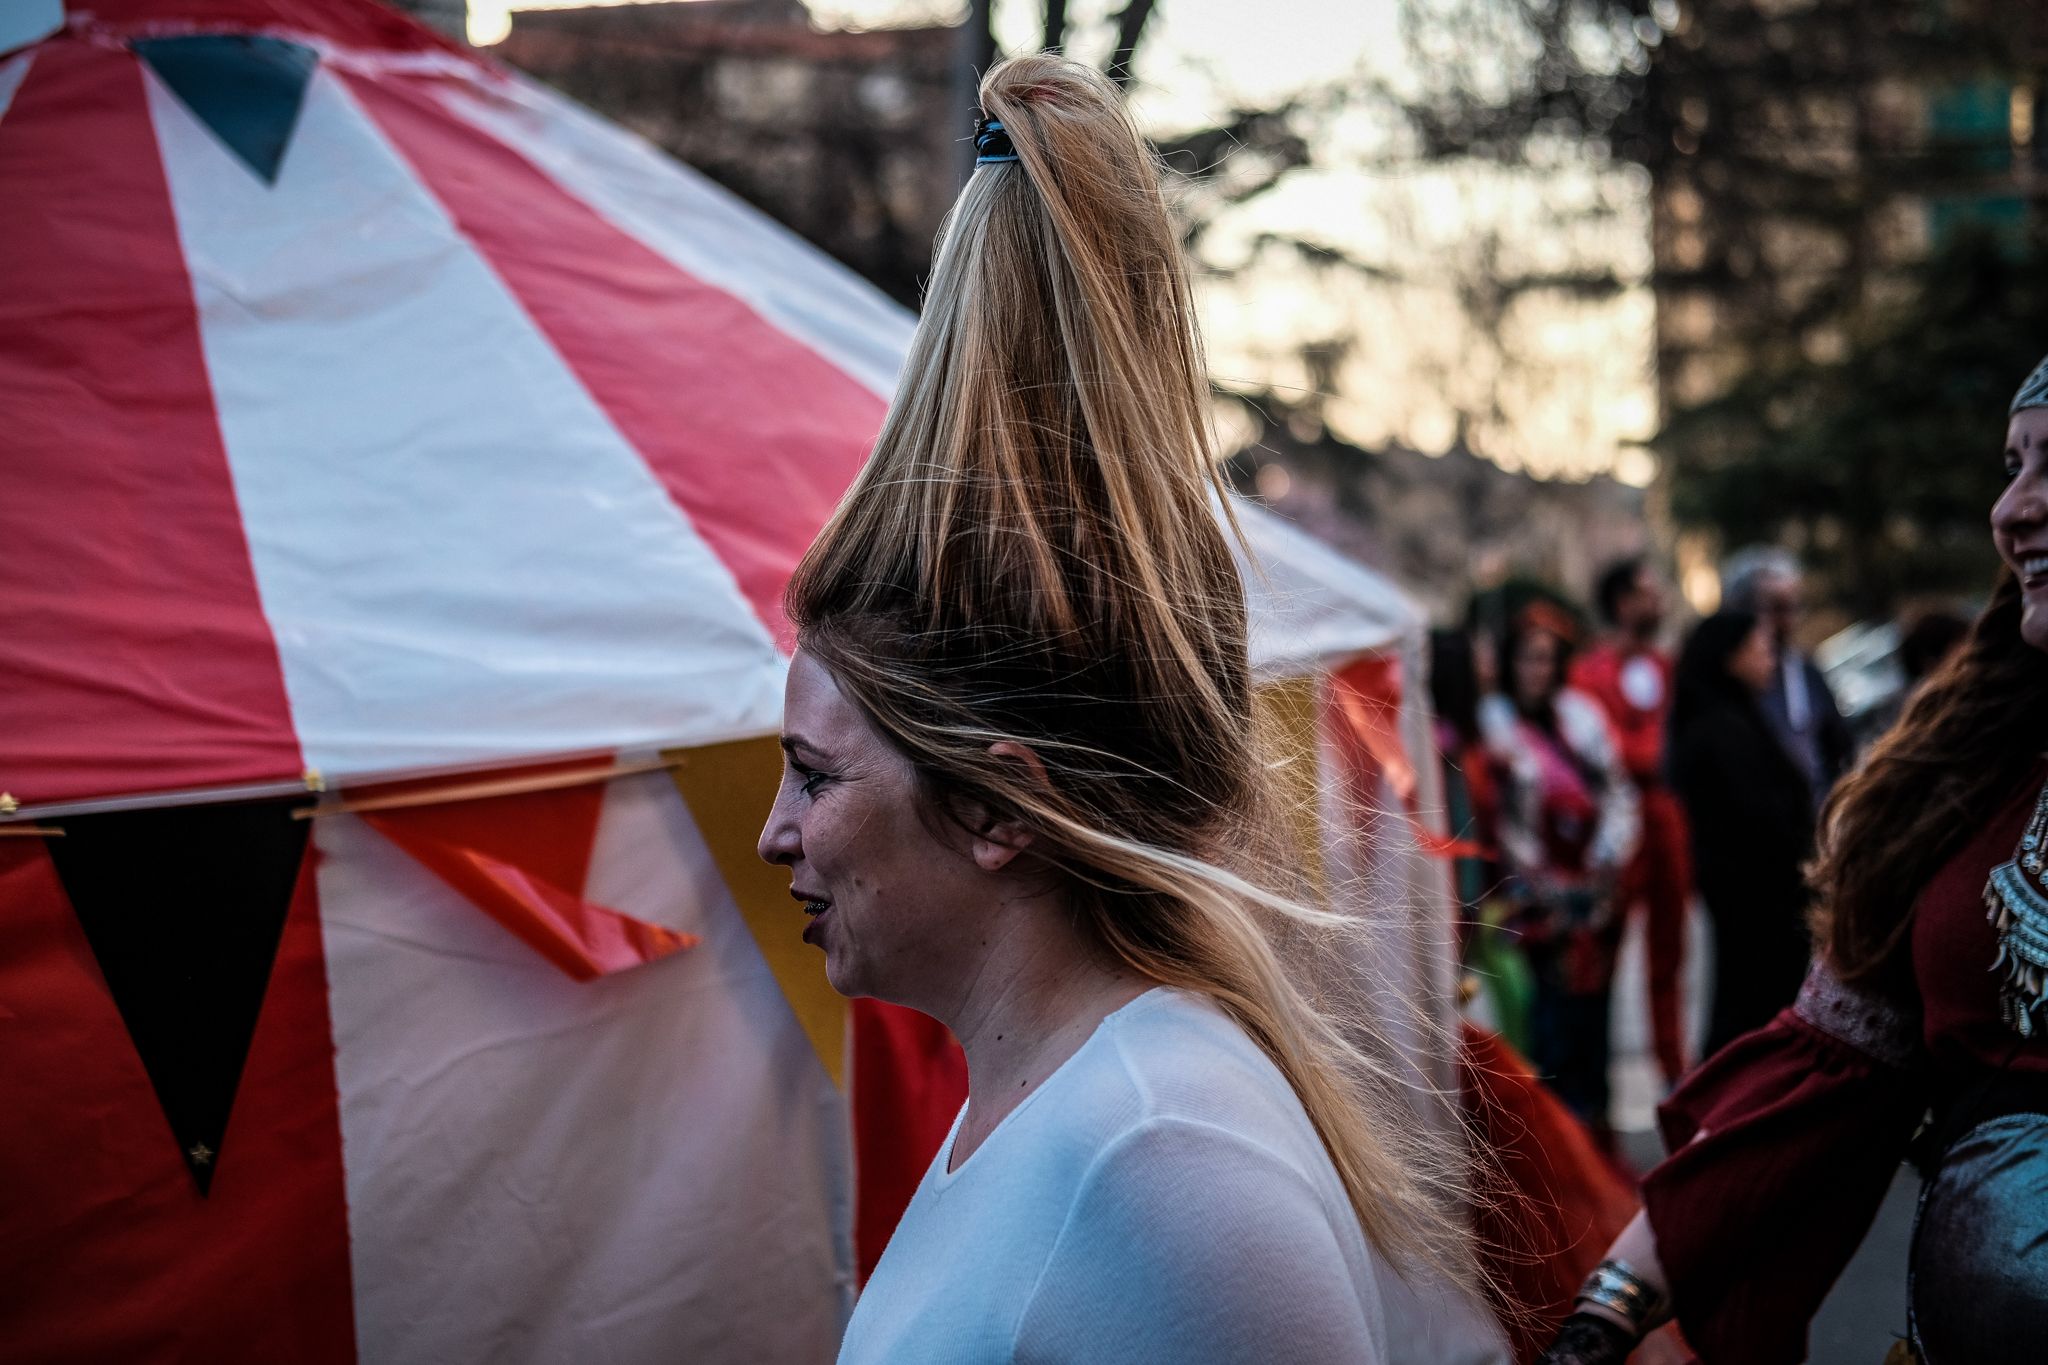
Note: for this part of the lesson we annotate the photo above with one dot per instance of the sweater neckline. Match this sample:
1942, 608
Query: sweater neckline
944, 1173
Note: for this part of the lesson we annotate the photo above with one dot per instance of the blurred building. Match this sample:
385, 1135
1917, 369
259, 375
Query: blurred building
853, 139
1802, 151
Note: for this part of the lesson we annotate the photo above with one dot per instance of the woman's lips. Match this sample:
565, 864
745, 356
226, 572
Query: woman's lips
818, 911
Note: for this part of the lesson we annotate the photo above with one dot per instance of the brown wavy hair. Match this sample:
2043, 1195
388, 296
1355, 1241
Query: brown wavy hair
1034, 554
1966, 741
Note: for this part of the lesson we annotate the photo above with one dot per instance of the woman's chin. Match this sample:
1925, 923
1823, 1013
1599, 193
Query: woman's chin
842, 975
2034, 619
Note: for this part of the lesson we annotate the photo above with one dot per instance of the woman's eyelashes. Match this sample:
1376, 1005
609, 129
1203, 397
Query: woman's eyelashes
810, 779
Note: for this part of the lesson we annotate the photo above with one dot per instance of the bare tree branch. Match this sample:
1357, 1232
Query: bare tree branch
1055, 24
1130, 30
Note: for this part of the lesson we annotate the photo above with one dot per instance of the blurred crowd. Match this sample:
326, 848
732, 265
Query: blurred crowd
1592, 775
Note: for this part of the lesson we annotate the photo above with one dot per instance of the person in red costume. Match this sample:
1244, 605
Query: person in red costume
1630, 676
1928, 994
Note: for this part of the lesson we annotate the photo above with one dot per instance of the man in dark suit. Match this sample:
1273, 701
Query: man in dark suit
1766, 581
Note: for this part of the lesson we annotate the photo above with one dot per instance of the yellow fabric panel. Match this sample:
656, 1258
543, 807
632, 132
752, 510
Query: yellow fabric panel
729, 789
1286, 714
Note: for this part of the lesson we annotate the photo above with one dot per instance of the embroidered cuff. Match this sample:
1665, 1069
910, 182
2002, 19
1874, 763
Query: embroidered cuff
1863, 1019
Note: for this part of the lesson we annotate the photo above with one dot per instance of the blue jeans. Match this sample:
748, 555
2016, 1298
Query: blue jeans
1978, 1275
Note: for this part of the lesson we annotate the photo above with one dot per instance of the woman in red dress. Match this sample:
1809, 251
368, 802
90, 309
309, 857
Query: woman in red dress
1566, 824
1925, 999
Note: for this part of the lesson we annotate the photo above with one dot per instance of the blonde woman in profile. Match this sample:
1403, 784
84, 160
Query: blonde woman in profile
1024, 795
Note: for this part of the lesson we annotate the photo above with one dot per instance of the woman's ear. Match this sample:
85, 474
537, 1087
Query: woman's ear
996, 843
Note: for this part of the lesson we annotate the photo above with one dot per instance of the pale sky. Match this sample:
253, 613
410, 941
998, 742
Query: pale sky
1583, 398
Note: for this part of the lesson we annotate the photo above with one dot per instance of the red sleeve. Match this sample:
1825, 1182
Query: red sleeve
1642, 750
1783, 1146
1597, 673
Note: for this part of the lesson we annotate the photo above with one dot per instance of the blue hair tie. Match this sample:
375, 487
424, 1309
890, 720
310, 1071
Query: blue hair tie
991, 143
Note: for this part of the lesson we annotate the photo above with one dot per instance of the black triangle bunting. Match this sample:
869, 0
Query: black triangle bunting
246, 88
184, 908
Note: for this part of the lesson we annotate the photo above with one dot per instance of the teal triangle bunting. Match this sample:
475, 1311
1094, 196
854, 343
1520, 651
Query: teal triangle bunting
245, 88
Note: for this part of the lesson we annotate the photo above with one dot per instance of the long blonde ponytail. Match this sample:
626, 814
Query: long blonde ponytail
1033, 553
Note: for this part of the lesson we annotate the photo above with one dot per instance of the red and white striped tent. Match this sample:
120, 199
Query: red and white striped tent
389, 441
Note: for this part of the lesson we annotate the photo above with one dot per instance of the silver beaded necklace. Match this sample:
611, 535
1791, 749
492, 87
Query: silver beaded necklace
2018, 909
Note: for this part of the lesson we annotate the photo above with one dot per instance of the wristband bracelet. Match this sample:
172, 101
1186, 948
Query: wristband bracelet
1618, 1289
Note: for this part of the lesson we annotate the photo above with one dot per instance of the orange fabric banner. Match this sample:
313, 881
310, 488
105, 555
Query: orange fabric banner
1444, 846
1367, 695
522, 860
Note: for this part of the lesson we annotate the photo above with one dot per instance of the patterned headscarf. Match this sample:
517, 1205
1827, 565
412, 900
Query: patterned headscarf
2033, 393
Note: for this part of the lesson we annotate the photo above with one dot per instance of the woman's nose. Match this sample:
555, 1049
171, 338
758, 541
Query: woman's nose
779, 843
2022, 507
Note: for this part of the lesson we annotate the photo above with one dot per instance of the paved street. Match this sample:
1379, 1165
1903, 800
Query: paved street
1867, 1310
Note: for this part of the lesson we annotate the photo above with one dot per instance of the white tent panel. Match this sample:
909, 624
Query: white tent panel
462, 560
1311, 608
650, 1166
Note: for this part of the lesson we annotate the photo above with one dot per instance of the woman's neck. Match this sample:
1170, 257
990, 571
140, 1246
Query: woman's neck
1540, 712
1042, 990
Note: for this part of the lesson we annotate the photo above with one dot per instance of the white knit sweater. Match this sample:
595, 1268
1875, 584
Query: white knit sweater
1162, 1197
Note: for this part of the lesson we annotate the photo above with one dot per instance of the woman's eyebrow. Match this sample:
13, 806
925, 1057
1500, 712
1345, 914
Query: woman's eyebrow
792, 743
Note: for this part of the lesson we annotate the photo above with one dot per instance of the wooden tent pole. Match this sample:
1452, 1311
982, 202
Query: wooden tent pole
477, 791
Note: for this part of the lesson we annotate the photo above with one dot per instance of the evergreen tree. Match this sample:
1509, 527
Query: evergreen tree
1880, 467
